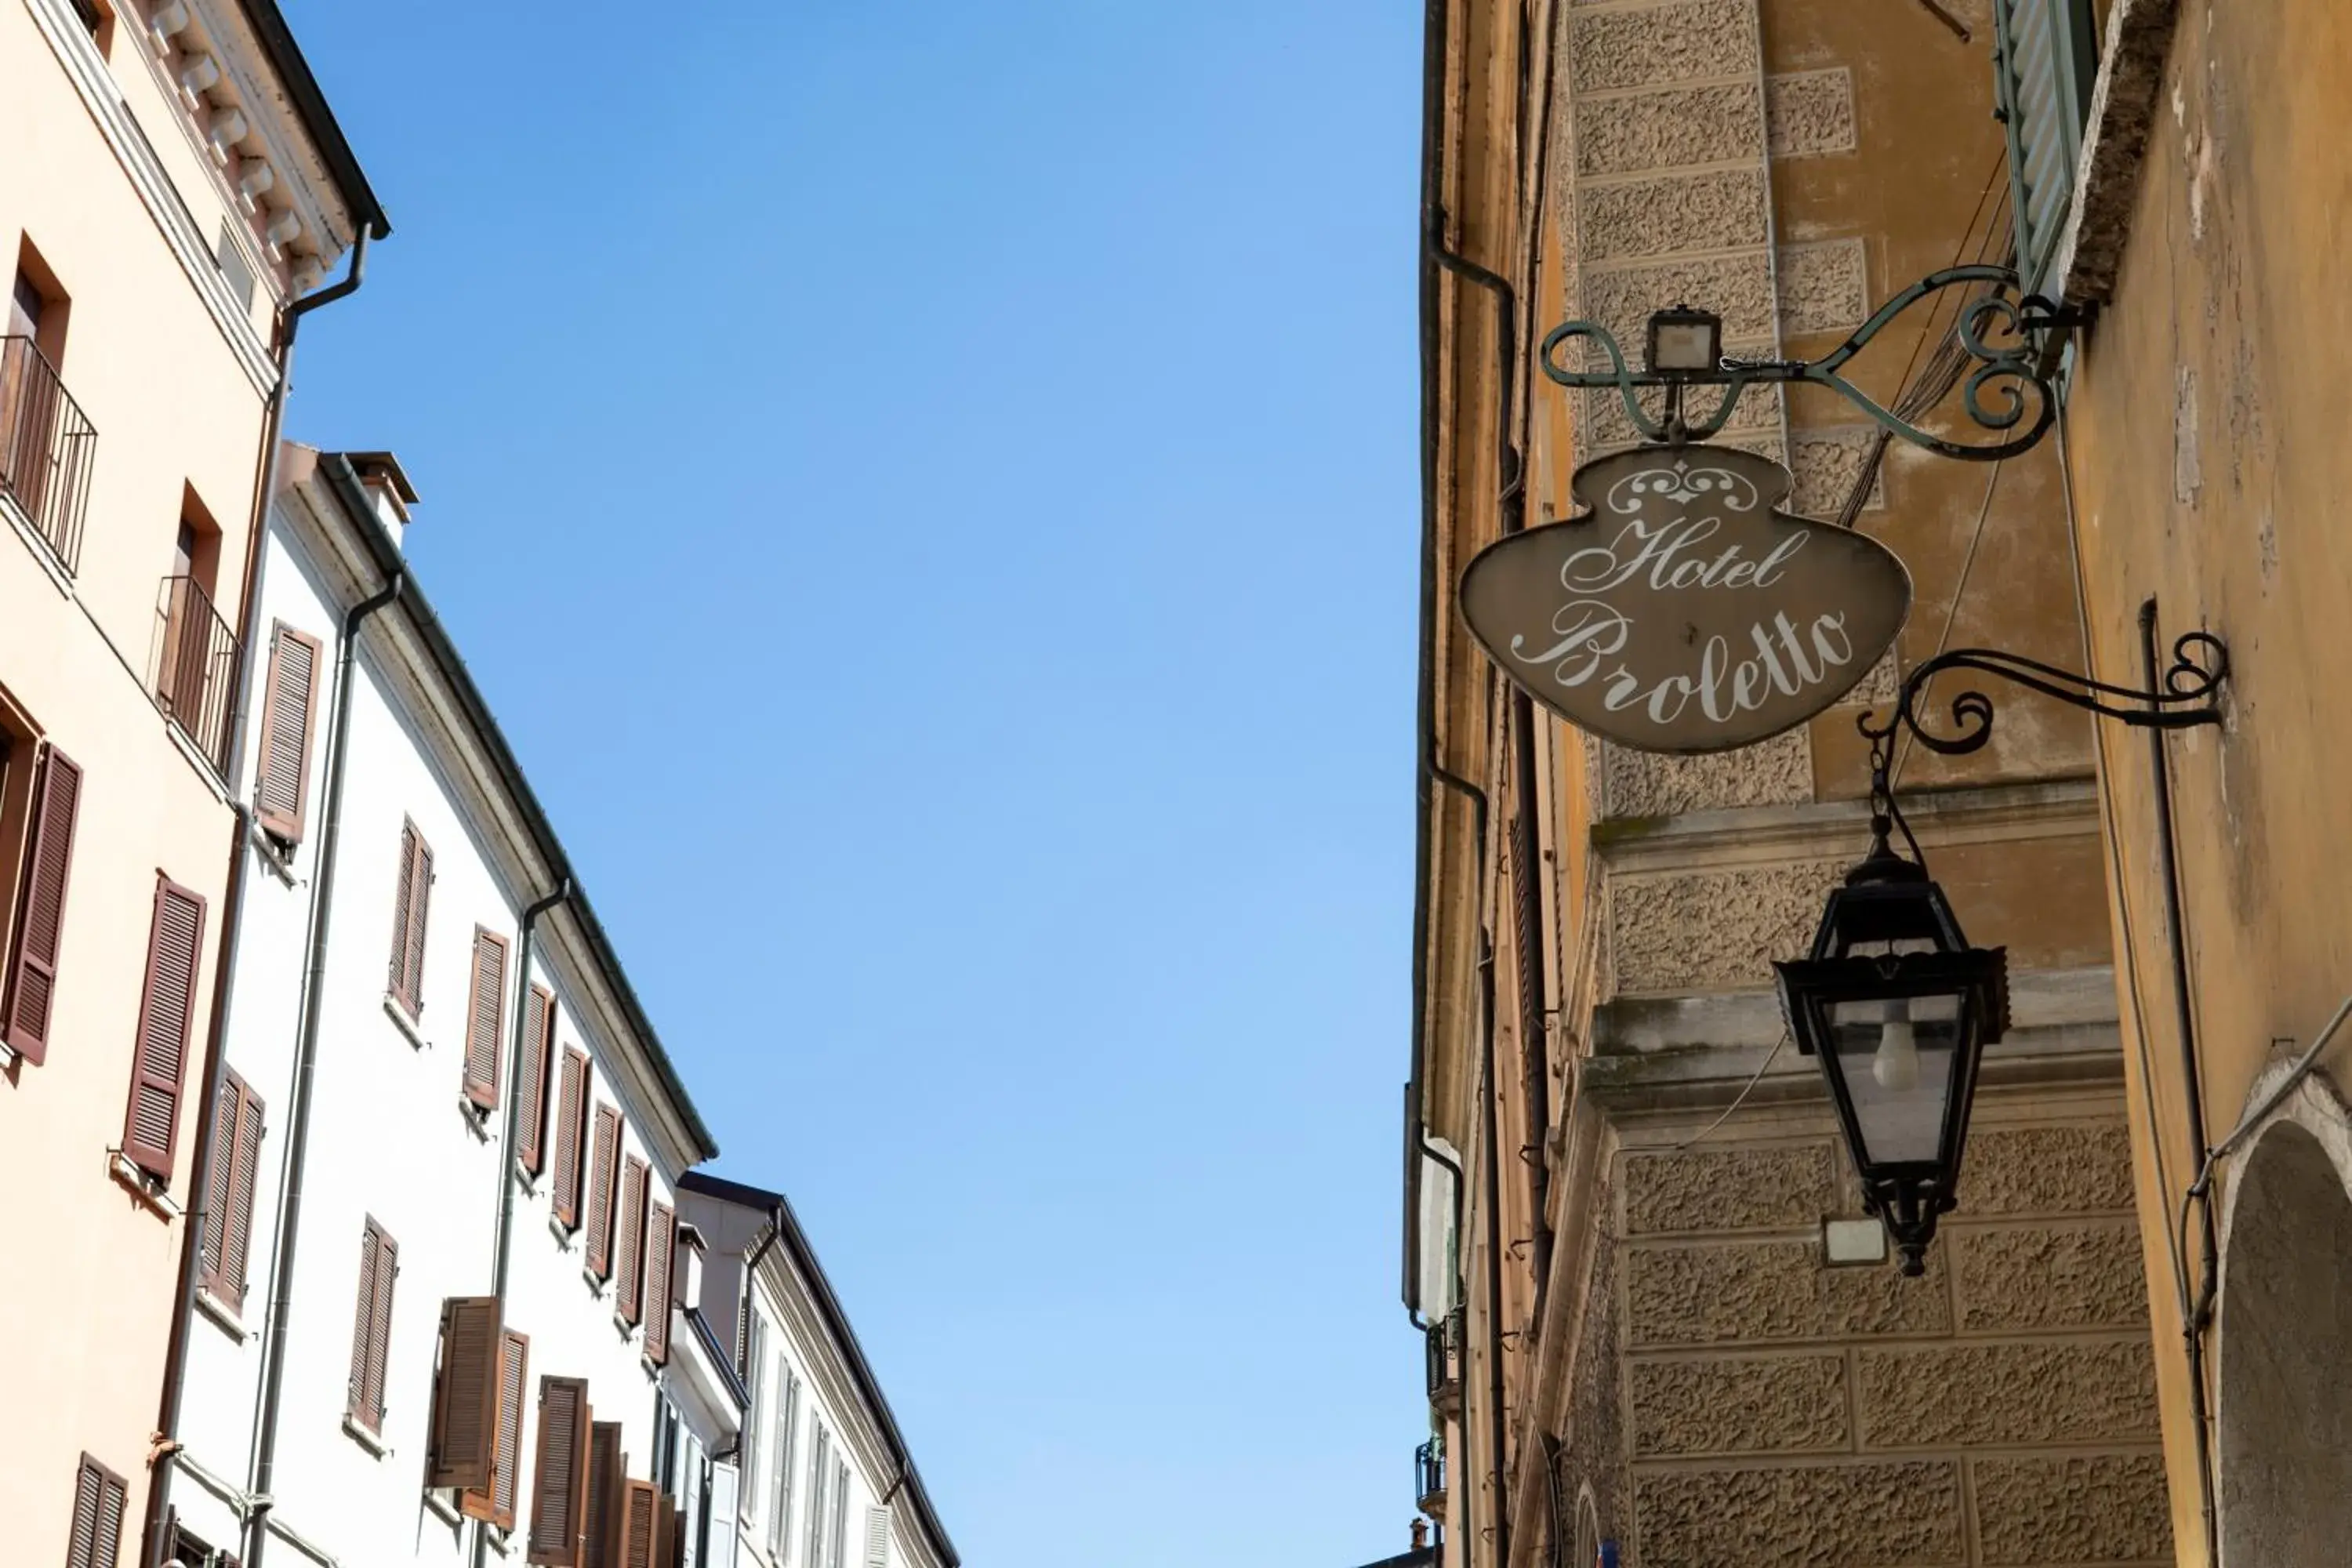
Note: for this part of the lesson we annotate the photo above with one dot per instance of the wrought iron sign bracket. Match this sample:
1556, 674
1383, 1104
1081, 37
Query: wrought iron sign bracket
2009, 337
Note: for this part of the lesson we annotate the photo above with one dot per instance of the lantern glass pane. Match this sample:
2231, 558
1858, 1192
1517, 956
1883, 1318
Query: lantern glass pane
1684, 345
1895, 1057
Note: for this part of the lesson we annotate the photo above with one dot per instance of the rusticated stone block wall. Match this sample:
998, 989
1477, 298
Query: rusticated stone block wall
1998, 1413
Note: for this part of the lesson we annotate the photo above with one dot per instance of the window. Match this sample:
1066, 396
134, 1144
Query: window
877, 1538
228, 1190
538, 1059
640, 1525
571, 1126
467, 1428
47, 445
493, 1502
604, 1173
51, 803
196, 655
101, 1499
408, 911
837, 1542
559, 1486
607, 1493
754, 1338
289, 709
486, 1018
720, 1513
661, 1247
230, 257
820, 1473
631, 1243
2044, 55
788, 1415
371, 1327
167, 1007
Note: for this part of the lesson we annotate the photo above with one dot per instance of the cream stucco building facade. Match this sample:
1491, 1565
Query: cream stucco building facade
170, 181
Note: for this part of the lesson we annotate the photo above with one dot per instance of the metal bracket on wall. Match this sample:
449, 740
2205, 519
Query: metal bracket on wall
2010, 337
2186, 698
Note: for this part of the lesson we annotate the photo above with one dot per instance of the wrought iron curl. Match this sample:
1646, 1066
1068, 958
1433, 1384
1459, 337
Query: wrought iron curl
2200, 663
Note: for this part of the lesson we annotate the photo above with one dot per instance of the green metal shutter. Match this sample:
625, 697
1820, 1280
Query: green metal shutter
2045, 52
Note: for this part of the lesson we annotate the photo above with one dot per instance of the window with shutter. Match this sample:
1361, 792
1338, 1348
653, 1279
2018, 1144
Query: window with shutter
570, 1125
630, 1242
485, 1017
693, 1510
371, 1327
167, 1007
288, 715
40, 932
607, 1484
788, 1416
538, 1060
820, 1476
228, 1199
99, 1499
664, 1532
494, 1503
661, 1246
752, 1361
464, 1430
559, 1478
877, 1538
410, 905
719, 1536
839, 1532
603, 1175
640, 1524
2045, 53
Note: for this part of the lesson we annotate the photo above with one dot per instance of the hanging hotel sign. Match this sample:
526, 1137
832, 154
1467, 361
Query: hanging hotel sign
1681, 613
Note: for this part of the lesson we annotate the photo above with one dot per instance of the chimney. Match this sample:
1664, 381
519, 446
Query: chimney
387, 486
1421, 1536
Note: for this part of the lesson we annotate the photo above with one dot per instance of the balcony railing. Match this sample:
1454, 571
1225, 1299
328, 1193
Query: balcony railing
1429, 1479
1444, 1351
45, 447
195, 662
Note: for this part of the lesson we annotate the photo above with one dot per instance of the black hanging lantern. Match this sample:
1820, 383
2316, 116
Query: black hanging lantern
1897, 1008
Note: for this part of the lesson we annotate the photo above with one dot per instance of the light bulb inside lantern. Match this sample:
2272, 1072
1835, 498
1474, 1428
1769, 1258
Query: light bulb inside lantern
1896, 1065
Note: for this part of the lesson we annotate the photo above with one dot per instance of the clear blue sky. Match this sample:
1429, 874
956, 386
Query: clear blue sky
931, 491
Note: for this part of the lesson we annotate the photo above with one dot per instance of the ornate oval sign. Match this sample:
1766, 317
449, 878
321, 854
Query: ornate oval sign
1679, 612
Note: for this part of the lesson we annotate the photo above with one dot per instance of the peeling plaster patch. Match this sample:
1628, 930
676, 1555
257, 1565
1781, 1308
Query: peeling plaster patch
2187, 472
2266, 541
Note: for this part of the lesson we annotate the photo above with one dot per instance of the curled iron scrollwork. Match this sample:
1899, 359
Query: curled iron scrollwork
2001, 331
2200, 663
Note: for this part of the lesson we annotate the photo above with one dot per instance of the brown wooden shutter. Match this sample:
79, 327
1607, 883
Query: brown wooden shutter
228, 1198
666, 1533
167, 1008
101, 1499
485, 1017
640, 1525
559, 1478
48, 860
603, 1171
631, 1243
571, 1112
608, 1482
289, 712
538, 1057
494, 1503
661, 1243
409, 908
463, 1445
371, 1327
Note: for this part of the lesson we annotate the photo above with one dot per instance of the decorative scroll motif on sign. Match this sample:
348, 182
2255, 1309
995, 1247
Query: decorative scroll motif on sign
1679, 612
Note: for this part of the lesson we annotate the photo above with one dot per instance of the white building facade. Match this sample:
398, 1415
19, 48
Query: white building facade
822, 1477
438, 1319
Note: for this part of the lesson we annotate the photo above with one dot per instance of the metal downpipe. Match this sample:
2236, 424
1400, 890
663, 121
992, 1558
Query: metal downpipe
298, 1128
166, 1442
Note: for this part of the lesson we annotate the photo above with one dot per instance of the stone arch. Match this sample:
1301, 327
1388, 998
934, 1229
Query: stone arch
2284, 1407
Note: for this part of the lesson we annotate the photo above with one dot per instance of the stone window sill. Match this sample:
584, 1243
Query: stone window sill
231, 1323
152, 1194
477, 1118
441, 1508
406, 1025
372, 1441
564, 1235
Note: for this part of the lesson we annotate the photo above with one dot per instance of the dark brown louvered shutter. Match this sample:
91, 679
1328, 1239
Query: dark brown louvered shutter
463, 1445
666, 1533
640, 1525
571, 1112
630, 1245
538, 1057
229, 1189
167, 1008
486, 1016
409, 908
603, 1171
661, 1246
101, 1498
495, 1503
289, 712
558, 1475
371, 1327
608, 1482
48, 864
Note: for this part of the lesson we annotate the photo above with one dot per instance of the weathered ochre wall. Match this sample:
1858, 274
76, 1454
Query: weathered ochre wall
2209, 436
